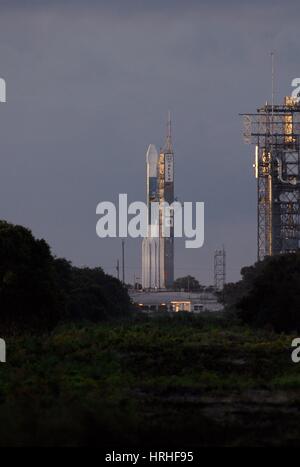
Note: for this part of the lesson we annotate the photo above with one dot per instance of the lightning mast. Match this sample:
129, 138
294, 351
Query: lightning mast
220, 268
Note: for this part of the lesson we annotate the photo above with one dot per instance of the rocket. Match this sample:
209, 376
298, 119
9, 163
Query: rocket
157, 250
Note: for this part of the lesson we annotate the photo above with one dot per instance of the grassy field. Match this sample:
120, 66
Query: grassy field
163, 382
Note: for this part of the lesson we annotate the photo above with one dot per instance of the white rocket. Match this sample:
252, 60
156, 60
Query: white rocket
158, 249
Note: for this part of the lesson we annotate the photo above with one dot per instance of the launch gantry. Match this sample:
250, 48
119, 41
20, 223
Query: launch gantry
275, 131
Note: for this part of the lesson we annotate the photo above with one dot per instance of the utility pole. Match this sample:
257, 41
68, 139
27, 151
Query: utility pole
118, 269
123, 262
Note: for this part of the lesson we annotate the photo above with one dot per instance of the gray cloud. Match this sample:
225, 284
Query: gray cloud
89, 86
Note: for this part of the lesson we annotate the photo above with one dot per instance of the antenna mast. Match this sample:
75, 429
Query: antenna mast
273, 79
169, 145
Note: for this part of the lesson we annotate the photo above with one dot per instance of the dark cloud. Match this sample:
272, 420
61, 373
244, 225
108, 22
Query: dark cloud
89, 86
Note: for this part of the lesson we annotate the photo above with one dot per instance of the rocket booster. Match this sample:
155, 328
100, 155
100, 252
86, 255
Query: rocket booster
150, 248
152, 172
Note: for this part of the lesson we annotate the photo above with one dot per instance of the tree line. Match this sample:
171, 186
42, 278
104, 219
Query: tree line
38, 290
268, 295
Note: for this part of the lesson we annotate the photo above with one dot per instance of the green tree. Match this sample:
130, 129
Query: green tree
187, 283
271, 293
29, 295
94, 295
37, 291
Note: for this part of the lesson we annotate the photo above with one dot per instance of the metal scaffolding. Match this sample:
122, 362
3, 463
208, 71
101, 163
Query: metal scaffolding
220, 268
275, 130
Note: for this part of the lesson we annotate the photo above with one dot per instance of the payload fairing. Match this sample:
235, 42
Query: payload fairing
157, 249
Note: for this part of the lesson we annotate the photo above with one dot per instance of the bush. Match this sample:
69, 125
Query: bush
28, 290
272, 294
94, 295
37, 290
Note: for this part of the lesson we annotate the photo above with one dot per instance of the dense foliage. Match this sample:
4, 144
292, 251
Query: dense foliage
93, 295
177, 381
139, 381
38, 291
28, 291
268, 294
188, 284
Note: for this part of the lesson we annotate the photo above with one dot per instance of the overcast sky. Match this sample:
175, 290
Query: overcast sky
89, 84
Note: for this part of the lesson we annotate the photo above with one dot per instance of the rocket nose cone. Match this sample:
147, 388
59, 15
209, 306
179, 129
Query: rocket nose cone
152, 155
